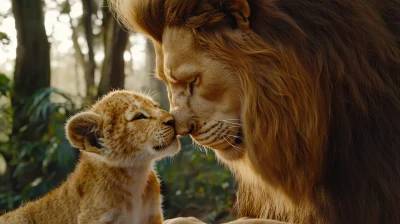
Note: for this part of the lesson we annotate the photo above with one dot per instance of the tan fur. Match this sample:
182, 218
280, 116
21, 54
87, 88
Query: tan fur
314, 87
114, 180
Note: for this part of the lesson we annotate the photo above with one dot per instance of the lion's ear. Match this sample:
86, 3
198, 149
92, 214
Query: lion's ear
83, 130
240, 10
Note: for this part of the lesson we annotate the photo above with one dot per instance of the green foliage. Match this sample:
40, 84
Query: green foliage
196, 181
4, 84
4, 38
195, 184
44, 105
34, 168
5, 108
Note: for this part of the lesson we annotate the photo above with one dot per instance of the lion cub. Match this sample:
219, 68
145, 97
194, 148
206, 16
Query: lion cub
120, 137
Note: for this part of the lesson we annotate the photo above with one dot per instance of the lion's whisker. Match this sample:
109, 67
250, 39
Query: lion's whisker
234, 146
196, 146
233, 128
229, 122
234, 136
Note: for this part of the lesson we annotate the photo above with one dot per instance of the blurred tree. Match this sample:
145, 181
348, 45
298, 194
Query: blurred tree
90, 68
150, 67
115, 42
32, 64
87, 61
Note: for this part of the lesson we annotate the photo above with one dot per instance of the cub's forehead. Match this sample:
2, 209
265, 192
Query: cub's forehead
119, 101
143, 99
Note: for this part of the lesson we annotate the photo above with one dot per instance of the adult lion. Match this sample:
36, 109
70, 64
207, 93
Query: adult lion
313, 87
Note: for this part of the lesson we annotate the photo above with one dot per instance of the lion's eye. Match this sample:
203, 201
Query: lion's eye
140, 116
193, 83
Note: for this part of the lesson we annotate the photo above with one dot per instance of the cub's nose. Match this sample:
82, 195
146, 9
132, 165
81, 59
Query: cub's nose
170, 122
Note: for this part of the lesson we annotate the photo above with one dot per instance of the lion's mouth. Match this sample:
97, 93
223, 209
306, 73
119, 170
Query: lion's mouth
239, 139
220, 135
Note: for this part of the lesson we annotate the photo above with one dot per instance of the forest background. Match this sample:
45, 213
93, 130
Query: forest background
57, 57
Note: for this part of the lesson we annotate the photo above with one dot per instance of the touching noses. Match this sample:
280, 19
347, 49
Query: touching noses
183, 123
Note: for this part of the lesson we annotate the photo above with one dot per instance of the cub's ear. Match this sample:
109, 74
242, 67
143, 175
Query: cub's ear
240, 9
83, 130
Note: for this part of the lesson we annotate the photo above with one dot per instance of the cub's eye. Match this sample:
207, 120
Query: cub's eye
140, 116
193, 83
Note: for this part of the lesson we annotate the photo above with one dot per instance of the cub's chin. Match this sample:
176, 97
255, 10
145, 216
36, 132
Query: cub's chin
170, 148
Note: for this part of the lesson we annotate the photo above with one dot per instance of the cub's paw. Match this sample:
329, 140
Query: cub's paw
255, 221
183, 220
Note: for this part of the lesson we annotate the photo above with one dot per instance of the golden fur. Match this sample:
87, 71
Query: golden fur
114, 182
314, 86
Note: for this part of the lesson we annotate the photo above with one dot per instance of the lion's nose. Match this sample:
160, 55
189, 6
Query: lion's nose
183, 124
187, 129
181, 132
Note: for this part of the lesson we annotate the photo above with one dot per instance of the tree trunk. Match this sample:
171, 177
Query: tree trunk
90, 67
80, 57
151, 66
115, 41
32, 65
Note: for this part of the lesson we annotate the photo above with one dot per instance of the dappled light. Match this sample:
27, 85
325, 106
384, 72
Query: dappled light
200, 111
35, 156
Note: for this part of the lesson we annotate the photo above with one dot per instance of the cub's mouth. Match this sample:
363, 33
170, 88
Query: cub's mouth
163, 146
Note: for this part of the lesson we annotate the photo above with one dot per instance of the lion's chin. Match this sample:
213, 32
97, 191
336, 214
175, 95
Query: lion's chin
230, 153
227, 149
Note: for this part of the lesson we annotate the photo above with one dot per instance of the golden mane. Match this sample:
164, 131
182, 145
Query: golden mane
322, 99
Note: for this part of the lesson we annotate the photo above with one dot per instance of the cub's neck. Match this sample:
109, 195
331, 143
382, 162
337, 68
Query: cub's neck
133, 178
